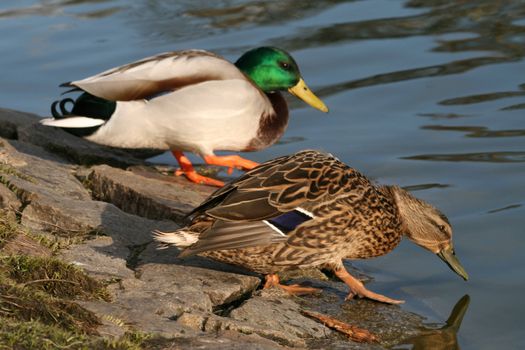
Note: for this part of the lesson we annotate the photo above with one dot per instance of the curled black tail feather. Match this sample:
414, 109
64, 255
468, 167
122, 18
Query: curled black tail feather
62, 105
85, 105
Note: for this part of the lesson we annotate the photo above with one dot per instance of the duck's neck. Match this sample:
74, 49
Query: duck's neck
408, 208
272, 123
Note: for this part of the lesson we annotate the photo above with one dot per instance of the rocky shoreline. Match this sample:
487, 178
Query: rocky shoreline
104, 203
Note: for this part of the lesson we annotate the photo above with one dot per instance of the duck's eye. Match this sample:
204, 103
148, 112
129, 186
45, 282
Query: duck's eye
284, 65
441, 228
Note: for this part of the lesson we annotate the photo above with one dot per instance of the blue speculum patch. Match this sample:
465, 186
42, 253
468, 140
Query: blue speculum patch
289, 221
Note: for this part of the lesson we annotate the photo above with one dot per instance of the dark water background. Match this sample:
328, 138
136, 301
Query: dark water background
425, 94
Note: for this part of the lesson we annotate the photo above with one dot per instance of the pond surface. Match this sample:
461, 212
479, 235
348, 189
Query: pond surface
424, 94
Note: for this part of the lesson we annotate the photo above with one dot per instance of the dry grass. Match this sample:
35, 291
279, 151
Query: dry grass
37, 300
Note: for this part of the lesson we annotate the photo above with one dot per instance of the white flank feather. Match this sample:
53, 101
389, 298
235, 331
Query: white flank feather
72, 122
305, 212
273, 227
180, 239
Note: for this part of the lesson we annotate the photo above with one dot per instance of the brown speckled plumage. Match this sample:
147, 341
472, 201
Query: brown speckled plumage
348, 217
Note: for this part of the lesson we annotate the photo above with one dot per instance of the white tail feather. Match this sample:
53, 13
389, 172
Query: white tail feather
181, 239
72, 122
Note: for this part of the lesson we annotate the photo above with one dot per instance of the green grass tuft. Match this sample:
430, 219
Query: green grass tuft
52, 276
37, 293
22, 303
8, 229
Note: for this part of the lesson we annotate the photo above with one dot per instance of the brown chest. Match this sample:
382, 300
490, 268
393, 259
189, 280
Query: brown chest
271, 125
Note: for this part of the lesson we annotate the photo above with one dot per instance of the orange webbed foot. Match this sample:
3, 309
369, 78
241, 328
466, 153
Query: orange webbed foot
197, 178
272, 280
187, 169
232, 162
357, 288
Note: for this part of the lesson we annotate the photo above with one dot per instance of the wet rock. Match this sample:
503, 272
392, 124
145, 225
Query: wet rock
387, 322
145, 194
11, 121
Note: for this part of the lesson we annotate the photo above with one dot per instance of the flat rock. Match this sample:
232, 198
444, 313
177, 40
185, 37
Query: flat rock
225, 340
56, 201
128, 314
274, 314
30, 167
11, 121
100, 258
220, 287
78, 218
145, 193
271, 314
76, 149
155, 295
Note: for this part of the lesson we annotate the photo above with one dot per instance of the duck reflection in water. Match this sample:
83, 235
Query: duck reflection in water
444, 338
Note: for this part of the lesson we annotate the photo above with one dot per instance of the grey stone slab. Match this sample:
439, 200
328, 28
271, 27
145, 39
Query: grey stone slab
220, 287
100, 258
11, 121
75, 149
145, 194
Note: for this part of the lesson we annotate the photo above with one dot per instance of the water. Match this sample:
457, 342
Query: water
426, 94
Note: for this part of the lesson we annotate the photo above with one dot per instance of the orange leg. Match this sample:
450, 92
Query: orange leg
231, 162
188, 170
273, 280
357, 288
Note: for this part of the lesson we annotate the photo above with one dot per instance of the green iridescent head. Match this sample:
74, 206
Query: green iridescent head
273, 69
270, 68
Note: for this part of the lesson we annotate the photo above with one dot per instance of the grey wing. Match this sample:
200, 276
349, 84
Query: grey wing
224, 235
164, 72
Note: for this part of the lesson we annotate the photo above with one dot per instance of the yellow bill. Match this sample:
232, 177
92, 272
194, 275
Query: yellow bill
302, 91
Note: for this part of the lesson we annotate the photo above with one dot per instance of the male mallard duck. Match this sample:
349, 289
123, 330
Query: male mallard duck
310, 210
192, 101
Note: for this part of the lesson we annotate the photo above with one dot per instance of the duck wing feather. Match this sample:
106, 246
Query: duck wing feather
157, 74
244, 208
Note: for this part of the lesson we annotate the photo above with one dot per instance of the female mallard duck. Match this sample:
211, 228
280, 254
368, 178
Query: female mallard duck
191, 101
310, 210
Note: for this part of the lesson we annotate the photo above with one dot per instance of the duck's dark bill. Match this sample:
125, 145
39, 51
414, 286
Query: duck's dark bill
448, 256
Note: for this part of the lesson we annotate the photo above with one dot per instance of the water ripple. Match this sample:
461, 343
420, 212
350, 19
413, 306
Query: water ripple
481, 98
420, 187
511, 206
490, 157
476, 131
